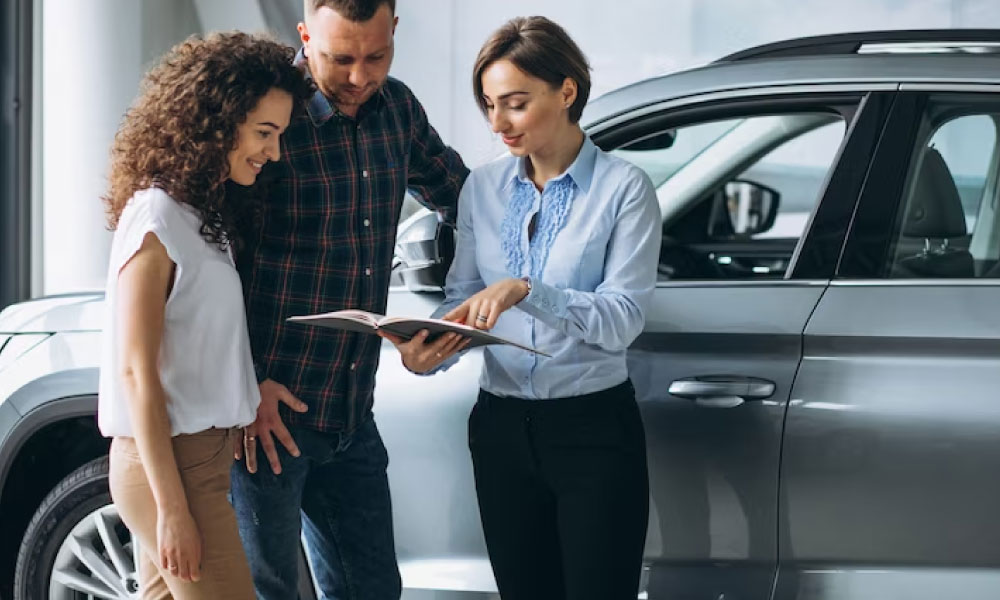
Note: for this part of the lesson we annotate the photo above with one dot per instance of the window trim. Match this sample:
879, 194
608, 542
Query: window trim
15, 151
929, 282
754, 283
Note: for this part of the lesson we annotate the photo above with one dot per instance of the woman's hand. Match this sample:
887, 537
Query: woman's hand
421, 356
179, 544
484, 308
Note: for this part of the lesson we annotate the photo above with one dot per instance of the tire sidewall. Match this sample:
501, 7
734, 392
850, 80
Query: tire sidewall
76, 496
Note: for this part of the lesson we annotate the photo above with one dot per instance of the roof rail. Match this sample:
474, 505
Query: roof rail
911, 40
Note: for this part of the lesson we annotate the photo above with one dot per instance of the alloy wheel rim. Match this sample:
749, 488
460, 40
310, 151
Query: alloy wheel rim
97, 560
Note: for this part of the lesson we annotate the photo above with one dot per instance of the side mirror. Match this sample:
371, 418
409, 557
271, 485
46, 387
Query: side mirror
425, 247
743, 208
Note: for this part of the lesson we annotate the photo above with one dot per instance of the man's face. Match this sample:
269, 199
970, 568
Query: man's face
348, 61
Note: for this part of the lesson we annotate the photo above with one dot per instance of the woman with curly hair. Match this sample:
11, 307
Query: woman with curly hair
177, 378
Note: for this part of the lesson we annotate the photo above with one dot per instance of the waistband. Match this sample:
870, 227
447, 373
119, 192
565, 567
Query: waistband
621, 393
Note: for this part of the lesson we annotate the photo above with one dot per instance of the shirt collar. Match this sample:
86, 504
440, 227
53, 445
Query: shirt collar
581, 171
319, 107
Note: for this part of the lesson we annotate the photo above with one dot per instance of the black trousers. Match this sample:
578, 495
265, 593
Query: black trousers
563, 493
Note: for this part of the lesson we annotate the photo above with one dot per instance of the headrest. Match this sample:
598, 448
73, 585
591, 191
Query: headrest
935, 209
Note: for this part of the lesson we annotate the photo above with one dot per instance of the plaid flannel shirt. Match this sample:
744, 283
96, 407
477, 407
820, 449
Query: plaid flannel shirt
325, 242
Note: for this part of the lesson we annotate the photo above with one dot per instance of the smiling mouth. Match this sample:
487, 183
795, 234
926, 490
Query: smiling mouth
512, 139
257, 166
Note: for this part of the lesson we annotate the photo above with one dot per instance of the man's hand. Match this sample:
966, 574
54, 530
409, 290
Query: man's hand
421, 356
179, 544
484, 308
269, 424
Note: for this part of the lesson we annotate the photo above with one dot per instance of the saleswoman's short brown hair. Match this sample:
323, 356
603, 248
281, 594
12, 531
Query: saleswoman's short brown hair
540, 48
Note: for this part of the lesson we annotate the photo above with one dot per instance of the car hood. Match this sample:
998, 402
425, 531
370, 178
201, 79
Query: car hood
54, 314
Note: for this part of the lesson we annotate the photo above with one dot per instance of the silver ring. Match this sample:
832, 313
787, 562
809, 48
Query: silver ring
171, 567
482, 318
251, 438
438, 354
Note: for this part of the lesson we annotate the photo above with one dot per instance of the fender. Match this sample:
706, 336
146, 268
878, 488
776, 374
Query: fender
47, 400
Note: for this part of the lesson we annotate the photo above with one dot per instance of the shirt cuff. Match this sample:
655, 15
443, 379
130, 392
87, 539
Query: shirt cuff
544, 300
441, 368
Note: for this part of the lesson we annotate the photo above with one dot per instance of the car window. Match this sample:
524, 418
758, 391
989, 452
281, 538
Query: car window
946, 226
967, 145
736, 194
796, 170
661, 163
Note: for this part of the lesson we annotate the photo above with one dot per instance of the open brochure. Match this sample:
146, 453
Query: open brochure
404, 327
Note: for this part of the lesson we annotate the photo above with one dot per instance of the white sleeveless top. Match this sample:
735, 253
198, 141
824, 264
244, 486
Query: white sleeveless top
205, 364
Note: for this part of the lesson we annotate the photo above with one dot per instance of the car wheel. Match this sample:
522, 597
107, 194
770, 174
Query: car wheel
76, 545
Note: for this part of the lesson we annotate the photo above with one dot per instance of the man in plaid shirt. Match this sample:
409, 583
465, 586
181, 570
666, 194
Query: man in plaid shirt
326, 243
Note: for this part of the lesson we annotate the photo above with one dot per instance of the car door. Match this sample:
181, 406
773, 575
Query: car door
891, 453
716, 362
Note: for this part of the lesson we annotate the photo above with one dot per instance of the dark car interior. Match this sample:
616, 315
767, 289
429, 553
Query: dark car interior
934, 241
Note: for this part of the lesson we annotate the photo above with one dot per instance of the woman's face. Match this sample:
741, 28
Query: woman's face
257, 137
527, 112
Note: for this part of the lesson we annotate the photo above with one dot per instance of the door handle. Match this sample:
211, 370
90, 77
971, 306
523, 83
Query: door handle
722, 386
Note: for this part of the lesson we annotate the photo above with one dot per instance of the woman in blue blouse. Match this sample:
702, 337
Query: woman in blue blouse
558, 245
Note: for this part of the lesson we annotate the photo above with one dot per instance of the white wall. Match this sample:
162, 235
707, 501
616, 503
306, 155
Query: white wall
89, 73
93, 53
91, 57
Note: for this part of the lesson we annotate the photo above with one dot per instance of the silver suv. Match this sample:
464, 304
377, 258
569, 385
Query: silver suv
819, 374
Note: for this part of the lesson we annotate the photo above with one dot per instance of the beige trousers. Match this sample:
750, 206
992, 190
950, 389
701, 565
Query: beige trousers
204, 460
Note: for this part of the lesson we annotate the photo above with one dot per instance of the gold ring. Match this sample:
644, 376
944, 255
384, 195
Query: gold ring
438, 354
251, 438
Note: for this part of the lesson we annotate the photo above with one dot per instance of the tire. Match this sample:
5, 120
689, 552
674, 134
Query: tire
97, 561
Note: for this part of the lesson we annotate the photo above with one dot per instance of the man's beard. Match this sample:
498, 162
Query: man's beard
350, 99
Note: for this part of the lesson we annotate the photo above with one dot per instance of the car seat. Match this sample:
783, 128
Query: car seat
934, 216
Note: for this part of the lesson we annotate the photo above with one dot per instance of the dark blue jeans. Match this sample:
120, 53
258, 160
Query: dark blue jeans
338, 494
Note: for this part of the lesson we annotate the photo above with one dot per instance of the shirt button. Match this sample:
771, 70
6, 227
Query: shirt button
368, 271
353, 365
367, 223
364, 173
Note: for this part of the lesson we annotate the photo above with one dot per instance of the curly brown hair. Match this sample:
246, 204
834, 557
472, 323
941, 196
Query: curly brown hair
179, 131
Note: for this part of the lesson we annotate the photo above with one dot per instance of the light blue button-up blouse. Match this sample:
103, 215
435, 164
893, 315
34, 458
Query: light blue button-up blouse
591, 262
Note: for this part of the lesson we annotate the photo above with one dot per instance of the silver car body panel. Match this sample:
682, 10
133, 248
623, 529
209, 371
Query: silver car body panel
742, 78
714, 461
739, 94
888, 476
